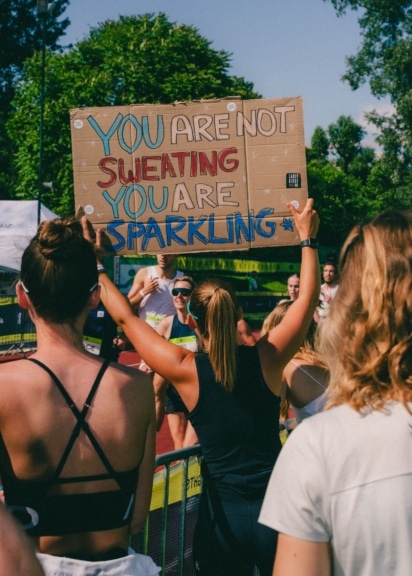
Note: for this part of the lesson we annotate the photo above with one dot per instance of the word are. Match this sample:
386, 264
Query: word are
136, 199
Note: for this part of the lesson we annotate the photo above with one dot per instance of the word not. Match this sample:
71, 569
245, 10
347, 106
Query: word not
180, 231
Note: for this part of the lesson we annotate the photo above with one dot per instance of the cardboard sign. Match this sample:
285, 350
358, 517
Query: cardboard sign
200, 176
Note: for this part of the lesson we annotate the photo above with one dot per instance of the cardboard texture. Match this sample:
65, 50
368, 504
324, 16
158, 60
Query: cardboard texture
203, 176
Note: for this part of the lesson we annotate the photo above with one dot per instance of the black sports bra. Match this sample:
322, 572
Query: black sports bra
41, 513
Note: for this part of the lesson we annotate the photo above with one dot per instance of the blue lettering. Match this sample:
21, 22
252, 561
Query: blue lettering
114, 202
111, 229
212, 238
181, 231
193, 230
134, 230
271, 226
139, 133
105, 137
163, 205
142, 132
229, 226
173, 225
143, 201
243, 228
152, 231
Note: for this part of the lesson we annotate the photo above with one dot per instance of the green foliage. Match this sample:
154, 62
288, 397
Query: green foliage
135, 60
22, 35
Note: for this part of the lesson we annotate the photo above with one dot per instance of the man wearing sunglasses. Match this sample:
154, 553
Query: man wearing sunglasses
176, 329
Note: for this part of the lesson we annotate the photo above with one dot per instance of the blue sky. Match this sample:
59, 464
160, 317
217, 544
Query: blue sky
285, 47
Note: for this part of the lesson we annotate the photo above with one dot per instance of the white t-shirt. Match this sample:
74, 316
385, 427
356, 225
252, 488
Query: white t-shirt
346, 478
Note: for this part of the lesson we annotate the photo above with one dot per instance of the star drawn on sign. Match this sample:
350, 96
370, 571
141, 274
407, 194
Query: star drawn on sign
84, 163
267, 190
292, 126
92, 142
84, 186
287, 224
273, 159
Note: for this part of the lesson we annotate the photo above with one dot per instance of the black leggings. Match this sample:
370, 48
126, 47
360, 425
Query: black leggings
229, 541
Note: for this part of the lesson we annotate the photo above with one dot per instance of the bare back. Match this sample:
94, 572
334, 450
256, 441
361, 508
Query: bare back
37, 423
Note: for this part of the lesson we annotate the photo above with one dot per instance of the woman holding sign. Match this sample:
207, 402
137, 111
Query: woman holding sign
231, 394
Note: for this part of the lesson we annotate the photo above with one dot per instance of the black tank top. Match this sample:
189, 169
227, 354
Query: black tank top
238, 431
42, 511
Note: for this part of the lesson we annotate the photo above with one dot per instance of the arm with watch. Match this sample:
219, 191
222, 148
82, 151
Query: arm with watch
282, 342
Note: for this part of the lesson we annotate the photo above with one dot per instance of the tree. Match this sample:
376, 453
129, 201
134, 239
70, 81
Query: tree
21, 33
385, 56
144, 59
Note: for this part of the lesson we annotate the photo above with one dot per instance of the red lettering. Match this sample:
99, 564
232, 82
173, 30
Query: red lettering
146, 168
103, 168
206, 166
167, 167
181, 161
233, 162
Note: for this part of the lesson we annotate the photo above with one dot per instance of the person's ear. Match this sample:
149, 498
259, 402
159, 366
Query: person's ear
22, 296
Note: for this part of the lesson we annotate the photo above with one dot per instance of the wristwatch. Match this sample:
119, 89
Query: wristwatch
311, 242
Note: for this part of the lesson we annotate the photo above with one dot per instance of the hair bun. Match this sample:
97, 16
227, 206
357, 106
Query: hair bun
54, 238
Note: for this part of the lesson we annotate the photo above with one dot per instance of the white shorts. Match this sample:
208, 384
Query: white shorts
131, 565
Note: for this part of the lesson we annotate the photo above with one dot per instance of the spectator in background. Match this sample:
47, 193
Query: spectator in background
341, 491
306, 376
100, 335
151, 291
327, 290
252, 281
177, 330
293, 285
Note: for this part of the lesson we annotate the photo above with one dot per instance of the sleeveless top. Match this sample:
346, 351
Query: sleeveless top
43, 511
182, 335
239, 430
315, 405
159, 303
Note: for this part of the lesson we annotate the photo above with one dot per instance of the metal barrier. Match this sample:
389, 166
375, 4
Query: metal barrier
17, 331
168, 533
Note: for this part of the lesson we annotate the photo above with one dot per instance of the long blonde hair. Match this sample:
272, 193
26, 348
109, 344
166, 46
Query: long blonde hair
368, 332
214, 306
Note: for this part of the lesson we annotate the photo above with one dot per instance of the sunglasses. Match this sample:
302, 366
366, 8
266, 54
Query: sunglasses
182, 291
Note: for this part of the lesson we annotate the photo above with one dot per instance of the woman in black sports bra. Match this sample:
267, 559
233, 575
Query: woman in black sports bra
231, 394
77, 440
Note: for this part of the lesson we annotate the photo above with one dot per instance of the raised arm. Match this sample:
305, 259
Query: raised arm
279, 346
169, 360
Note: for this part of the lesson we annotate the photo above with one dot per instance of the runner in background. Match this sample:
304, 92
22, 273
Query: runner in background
177, 330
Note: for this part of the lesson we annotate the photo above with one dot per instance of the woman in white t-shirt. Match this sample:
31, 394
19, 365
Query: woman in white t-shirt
340, 494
